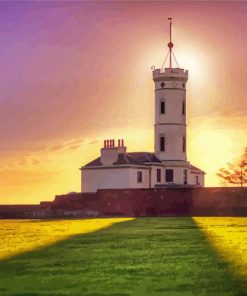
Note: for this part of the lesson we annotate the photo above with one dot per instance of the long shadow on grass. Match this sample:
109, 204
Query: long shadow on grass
146, 256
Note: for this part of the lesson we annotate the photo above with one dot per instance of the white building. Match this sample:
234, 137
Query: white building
167, 166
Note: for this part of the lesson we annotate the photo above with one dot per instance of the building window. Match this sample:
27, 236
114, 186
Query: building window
169, 175
158, 175
139, 177
183, 108
162, 107
197, 180
184, 144
162, 143
185, 177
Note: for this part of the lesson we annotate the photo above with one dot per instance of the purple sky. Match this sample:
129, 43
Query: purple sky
74, 72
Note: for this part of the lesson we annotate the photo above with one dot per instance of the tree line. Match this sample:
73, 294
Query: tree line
235, 173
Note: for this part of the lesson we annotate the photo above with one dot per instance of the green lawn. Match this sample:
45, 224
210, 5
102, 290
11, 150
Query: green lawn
146, 256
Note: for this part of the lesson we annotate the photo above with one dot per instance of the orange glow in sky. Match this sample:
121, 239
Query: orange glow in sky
73, 74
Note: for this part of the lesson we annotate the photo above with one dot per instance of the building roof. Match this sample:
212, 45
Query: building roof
193, 168
133, 158
145, 157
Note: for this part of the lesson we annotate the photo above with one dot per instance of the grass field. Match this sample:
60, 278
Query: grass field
145, 256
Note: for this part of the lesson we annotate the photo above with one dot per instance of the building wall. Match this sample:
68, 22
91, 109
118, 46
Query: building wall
177, 178
192, 178
125, 177
133, 178
111, 178
154, 175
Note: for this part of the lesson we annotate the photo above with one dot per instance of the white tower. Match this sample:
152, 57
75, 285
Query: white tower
170, 115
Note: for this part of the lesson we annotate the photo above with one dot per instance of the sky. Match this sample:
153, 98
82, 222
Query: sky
75, 73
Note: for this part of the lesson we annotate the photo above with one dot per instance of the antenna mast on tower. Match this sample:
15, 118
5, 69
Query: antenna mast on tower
170, 46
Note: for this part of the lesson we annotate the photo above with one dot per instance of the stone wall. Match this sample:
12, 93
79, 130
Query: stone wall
136, 202
42, 211
158, 202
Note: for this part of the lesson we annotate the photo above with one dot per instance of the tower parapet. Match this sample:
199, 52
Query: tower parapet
170, 74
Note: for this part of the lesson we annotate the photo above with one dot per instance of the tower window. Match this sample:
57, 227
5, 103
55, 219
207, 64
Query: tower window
185, 176
183, 108
169, 175
139, 177
162, 143
197, 180
184, 144
158, 175
162, 107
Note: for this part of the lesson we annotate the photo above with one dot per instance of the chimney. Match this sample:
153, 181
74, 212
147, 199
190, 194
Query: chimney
109, 153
